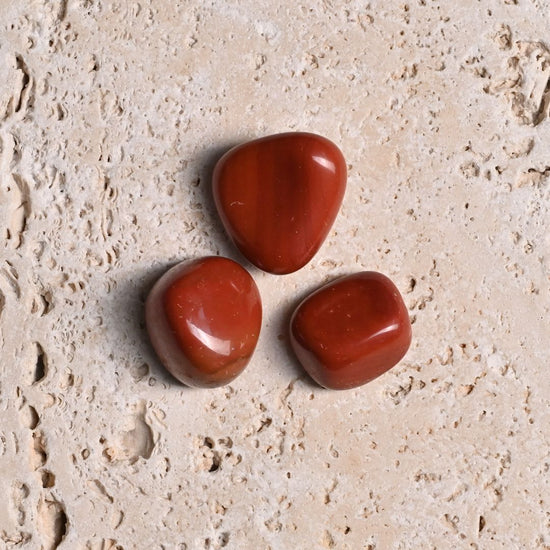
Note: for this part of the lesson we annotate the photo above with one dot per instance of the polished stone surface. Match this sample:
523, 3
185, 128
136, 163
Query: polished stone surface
204, 319
351, 331
278, 197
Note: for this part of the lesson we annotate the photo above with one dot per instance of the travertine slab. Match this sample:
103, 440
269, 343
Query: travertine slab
112, 114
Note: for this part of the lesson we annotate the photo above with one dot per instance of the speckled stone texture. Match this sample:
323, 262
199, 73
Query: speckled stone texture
112, 115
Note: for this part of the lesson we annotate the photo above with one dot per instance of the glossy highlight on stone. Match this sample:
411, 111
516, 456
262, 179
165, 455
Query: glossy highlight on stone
351, 330
204, 318
278, 197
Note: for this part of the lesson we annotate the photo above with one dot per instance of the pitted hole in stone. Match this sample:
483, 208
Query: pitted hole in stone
47, 302
38, 455
481, 524
52, 522
29, 417
211, 459
48, 479
216, 462
138, 442
25, 81
139, 372
226, 442
41, 367
100, 489
20, 491
109, 454
264, 423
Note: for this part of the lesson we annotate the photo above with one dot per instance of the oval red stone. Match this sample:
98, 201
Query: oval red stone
351, 331
278, 197
204, 318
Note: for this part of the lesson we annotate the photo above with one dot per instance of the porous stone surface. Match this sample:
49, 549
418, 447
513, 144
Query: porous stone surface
112, 114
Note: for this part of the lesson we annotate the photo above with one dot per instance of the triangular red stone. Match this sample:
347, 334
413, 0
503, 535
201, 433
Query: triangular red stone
278, 197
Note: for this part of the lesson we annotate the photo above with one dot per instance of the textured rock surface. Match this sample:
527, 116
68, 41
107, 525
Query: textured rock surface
111, 117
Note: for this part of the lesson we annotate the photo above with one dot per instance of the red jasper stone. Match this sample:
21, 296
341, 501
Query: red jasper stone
278, 197
204, 319
351, 330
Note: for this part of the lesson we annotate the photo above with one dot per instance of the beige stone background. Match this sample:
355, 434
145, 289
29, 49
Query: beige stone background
111, 117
